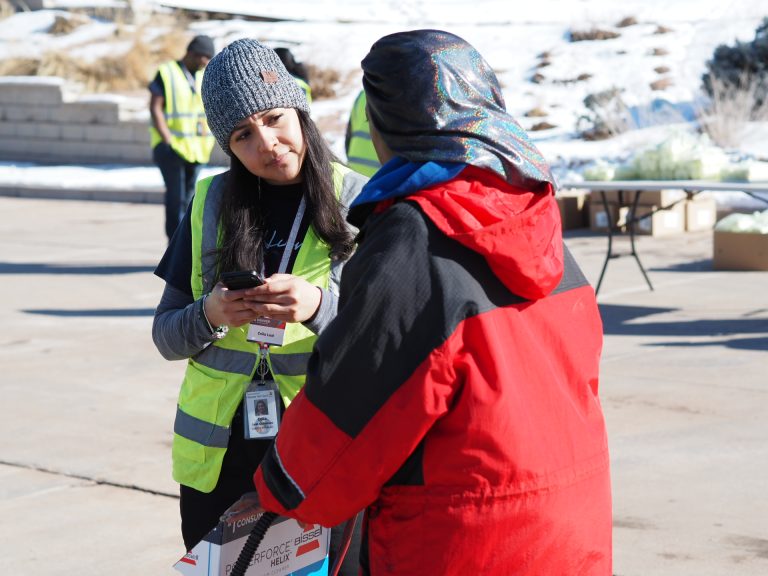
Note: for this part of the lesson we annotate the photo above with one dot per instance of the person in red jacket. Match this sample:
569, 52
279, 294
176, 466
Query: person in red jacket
455, 395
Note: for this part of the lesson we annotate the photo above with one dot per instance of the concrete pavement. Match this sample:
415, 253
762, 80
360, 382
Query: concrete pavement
87, 403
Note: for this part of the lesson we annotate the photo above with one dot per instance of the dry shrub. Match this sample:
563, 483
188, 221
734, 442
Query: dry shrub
731, 107
542, 126
536, 113
663, 30
168, 46
124, 72
607, 115
538, 78
628, 21
65, 24
324, 81
596, 134
6, 9
659, 52
661, 84
580, 78
110, 74
19, 66
661, 69
593, 34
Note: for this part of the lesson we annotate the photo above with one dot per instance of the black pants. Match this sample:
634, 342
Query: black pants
200, 511
180, 178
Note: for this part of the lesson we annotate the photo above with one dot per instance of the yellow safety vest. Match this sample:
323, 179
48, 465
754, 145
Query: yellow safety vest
361, 155
304, 86
217, 377
185, 115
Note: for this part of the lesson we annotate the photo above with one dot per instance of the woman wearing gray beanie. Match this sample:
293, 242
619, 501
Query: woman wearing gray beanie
279, 211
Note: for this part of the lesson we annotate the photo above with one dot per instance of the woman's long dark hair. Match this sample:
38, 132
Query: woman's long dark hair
242, 221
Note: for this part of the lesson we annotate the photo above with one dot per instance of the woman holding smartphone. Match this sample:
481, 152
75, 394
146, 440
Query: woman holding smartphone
277, 214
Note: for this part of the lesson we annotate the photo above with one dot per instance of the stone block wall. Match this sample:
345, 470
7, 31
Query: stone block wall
40, 121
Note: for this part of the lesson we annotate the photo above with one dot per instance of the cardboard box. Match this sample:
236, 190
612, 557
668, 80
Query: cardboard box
700, 214
599, 219
660, 222
573, 210
286, 550
740, 251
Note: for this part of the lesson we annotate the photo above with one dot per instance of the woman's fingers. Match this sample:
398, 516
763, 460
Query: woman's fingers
282, 297
229, 307
285, 297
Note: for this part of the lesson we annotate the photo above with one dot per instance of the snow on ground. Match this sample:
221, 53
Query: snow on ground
336, 34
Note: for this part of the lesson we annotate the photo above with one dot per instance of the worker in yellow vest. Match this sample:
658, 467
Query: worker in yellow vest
361, 156
297, 70
280, 211
180, 139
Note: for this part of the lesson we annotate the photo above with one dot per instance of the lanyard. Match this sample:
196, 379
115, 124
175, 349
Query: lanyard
289, 244
263, 367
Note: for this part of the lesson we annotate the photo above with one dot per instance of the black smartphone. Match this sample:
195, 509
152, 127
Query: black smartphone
241, 279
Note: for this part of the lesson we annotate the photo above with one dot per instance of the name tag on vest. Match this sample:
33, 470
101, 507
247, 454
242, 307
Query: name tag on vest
267, 331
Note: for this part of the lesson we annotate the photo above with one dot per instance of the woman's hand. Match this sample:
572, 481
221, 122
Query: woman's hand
284, 297
228, 307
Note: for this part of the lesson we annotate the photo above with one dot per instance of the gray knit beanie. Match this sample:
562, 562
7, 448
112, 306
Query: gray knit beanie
244, 78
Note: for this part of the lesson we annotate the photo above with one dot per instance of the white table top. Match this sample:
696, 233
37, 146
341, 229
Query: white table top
689, 185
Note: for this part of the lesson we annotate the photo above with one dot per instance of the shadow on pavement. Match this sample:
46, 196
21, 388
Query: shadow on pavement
758, 344
29, 268
703, 265
619, 320
98, 313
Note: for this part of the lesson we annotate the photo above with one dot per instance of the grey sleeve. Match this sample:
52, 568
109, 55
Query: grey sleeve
179, 328
325, 313
353, 184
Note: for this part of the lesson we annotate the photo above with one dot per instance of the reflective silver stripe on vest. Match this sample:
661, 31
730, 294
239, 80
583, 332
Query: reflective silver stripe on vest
184, 115
236, 362
181, 134
361, 134
199, 431
232, 361
290, 364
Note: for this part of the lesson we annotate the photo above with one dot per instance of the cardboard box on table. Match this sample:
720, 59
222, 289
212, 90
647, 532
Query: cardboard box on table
740, 251
286, 550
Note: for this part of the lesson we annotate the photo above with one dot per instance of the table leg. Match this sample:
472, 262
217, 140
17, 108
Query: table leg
633, 219
609, 255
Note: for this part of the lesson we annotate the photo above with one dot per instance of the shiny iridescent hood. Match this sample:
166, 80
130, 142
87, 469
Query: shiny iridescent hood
432, 97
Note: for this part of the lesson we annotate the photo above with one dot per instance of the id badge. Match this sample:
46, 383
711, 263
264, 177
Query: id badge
261, 409
267, 331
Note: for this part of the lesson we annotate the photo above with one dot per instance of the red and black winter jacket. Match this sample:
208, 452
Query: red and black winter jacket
455, 394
